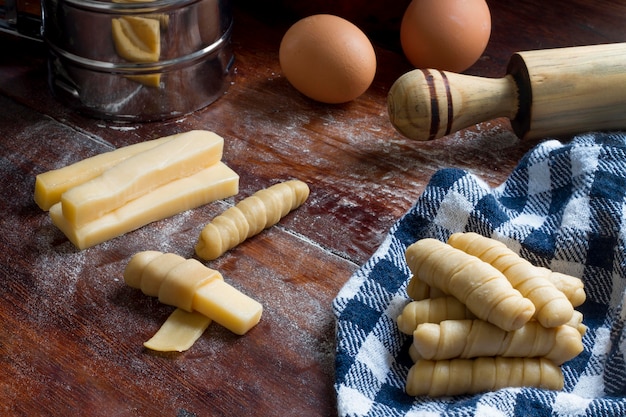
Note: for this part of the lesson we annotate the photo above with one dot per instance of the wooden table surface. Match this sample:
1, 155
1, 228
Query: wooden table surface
71, 332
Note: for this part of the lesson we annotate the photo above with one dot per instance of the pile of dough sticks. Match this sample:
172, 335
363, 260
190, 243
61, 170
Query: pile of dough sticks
108, 195
483, 318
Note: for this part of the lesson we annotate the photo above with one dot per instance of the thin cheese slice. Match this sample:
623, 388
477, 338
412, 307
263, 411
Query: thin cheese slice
179, 332
51, 184
180, 157
210, 184
227, 306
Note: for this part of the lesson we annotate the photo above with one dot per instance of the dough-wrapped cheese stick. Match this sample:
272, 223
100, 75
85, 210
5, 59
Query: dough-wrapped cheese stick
50, 185
191, 286
572, 287
489, 250
419, 290
482, 288
474, 338
210, 184
577, 322
552, 306
431, 310
177, 158
249, 217
413, 353
472, 376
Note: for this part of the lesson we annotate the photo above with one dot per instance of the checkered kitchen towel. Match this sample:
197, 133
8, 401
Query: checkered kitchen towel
563, 207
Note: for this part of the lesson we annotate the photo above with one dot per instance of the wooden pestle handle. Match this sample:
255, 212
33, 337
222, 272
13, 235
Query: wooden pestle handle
547, 92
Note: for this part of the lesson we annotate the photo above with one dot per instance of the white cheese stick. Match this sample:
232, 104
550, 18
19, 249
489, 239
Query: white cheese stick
210, 184
50, 185
180, 157
227, 306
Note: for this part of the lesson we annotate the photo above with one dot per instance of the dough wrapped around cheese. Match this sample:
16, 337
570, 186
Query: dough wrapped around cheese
490, 250
249, 217
191, 286
472, 376
474, 338
577, 322
482, 288
431, 310
419, 290
572, 287
552, 306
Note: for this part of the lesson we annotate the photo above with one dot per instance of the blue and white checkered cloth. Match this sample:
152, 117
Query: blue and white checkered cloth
563, 207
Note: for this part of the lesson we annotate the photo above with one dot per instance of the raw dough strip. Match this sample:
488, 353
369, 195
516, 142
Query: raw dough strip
552, 306
180, 157
179, 332
211, 184
474, 338
472, 376
191, 286
482, 288
249, 217
50, 185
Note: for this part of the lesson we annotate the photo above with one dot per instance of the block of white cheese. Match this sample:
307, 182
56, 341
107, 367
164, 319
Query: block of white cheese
133, 177
51, 184
210, 184
227, 306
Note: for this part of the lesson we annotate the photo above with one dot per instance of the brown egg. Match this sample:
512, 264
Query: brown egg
448, 35
327, 58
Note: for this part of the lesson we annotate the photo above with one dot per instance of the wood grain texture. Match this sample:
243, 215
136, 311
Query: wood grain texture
71, 332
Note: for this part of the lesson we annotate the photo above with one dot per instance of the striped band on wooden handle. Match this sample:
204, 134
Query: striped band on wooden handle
426, 104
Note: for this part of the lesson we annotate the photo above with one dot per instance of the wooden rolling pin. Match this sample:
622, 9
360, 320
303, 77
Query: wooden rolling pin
549, 92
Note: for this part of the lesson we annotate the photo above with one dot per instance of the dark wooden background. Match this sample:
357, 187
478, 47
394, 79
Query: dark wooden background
71, 332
